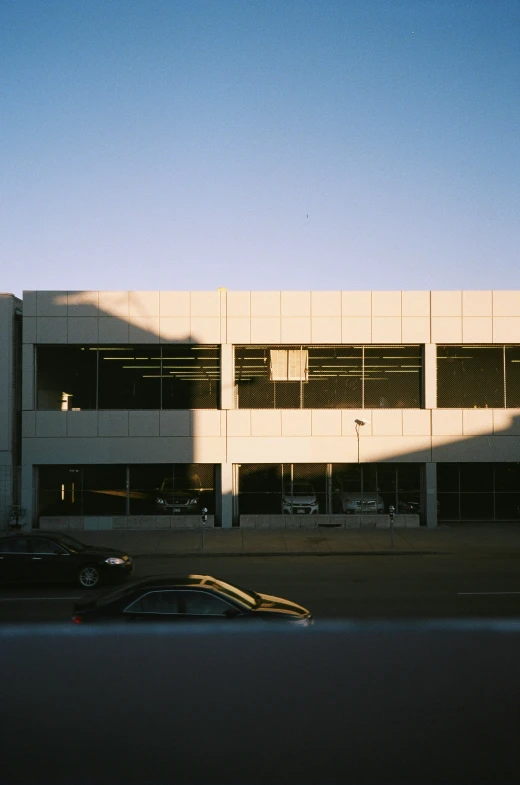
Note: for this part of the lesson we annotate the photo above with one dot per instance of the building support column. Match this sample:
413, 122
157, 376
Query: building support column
27, 496
431, 495
226, 490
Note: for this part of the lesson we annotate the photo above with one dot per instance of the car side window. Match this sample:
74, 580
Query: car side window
46, 546
14, 545
156, 602
202, 603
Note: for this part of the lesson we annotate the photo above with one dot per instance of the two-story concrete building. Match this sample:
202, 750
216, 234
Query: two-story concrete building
270, 409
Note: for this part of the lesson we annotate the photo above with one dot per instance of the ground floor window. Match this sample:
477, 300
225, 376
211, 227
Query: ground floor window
134, 489
478, 491
328, 488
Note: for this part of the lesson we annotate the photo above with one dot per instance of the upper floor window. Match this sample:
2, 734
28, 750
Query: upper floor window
328, 377
478, 377
164, 376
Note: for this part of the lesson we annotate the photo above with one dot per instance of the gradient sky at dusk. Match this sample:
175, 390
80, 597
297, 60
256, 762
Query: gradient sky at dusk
259, 144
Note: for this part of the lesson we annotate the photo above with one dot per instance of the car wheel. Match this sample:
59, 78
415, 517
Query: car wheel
89, 577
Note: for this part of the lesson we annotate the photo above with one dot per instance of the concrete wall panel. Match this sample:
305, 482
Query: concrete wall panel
295, 304
386, 304
356, 330
115, 304
265, 304
477, 303
446, 329
50, 329
144, 304
239, 304
205, 304
266, 422
415, 303
51, 424
326, 329
447, 422
446, 303
296, 330
174, 304
506, 303
239, 422
82, 329
238, 330
143, 423
175, 329
81, 424
113, 330
265, 330
415, 329
205, 329
386, 329
144, 329
174, 423
325, 304
356, 304
326, 422
477, 329
51, 304
296, 422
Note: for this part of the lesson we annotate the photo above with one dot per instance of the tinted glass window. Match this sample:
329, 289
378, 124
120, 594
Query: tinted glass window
201, 603
15, 545
45, 546
66, 377
156, 602
129, 377
470, 377
328, 377
512, 363
190, 377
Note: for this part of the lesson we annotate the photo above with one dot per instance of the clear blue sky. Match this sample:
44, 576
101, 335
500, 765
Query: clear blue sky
259, 144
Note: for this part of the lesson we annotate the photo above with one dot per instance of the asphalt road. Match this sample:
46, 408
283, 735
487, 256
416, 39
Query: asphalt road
332, 587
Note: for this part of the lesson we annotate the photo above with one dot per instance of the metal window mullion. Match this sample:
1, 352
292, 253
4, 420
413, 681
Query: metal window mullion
127, 491
301, 378
97, 379
504, 364
362, 377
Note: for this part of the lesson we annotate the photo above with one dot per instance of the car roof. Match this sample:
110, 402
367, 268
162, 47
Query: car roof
30, 534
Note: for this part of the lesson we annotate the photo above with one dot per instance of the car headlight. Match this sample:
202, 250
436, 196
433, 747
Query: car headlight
159, 500
307, 622
193, 501
114, 560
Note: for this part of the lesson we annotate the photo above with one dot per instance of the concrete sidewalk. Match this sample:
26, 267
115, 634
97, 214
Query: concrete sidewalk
479, 539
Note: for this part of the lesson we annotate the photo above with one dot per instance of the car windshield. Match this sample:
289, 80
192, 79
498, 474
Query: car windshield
71, 543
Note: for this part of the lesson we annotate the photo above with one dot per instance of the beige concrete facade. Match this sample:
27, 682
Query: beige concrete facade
233, 436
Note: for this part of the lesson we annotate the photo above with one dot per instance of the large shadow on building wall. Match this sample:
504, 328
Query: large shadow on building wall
131, 400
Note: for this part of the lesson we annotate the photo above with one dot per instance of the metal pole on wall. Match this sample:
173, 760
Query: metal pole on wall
391, 512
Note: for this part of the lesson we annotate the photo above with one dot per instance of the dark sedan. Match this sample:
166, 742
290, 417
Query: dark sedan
43, 557
198, 598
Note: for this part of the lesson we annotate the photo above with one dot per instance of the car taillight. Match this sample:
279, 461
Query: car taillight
77, 619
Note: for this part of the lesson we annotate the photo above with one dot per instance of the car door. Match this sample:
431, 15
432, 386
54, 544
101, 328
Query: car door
49, 561
14, 558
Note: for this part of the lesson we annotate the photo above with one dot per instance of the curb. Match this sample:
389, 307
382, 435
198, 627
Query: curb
263, 554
